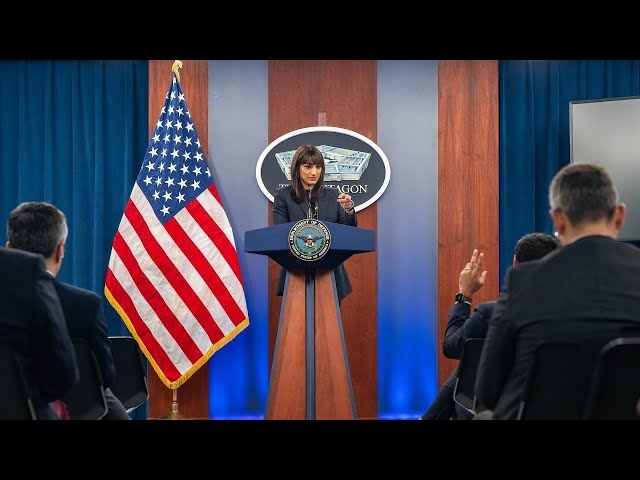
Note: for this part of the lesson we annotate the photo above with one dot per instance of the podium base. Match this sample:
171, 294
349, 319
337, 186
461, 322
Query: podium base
310, 377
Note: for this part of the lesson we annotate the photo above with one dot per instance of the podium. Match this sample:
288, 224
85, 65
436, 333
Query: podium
310, 377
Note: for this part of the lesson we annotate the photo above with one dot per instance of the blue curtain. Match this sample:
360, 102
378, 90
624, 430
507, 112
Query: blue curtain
74, 133
534, 133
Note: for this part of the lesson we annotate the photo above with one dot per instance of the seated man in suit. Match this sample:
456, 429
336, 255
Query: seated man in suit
32, 321
40, 227
463, 325
586, 292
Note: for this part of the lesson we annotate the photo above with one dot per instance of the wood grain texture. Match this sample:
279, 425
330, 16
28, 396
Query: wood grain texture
286, 399
193, 395
337, 93
334, 392
467, 182
334, 398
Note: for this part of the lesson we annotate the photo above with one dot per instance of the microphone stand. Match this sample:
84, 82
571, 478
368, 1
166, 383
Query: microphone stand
309, 214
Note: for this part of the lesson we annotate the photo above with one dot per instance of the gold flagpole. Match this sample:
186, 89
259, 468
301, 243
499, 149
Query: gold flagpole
175, 414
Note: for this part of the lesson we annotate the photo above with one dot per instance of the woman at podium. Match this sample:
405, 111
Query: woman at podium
307, 197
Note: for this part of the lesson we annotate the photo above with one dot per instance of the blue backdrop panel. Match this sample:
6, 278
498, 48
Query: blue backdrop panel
408, 238
238, 122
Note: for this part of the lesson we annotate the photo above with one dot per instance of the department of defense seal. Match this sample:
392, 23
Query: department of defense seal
309, 239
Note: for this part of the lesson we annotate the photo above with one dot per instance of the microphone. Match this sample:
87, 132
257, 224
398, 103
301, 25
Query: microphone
309, 214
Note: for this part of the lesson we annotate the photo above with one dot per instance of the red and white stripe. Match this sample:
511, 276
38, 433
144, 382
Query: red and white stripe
177, 285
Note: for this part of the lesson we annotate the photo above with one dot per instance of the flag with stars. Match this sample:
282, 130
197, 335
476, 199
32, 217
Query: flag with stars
174, 275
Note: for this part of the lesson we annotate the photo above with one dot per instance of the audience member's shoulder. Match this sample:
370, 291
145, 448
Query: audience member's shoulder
531, 269
15, 256
630, 247
78, 292
486, 307
20, 265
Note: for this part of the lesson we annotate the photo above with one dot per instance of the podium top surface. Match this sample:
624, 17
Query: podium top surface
274, 242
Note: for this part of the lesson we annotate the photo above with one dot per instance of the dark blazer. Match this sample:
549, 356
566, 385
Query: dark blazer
32, 320
586, 290
85, 319
462, 327
285, 210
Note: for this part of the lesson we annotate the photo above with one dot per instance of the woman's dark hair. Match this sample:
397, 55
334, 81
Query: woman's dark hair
306, 154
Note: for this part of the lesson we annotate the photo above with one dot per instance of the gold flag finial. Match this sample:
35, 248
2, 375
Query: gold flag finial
177, 65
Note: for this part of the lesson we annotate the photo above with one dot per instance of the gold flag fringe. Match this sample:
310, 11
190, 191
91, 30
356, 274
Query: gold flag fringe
172, 385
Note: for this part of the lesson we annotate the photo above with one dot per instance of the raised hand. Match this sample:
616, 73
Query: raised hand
471, 279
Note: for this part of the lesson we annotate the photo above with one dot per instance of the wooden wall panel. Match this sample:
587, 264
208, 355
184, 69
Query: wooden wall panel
467, 182
193, 395
337, 93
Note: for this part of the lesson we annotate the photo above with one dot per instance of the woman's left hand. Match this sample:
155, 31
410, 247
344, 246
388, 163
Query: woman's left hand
345, 202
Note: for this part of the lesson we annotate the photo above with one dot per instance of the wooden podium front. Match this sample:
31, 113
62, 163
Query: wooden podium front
310, 378
328, 366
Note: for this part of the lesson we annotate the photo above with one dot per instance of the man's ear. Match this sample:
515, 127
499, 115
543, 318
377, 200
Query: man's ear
559, 220
619, 215
60, 252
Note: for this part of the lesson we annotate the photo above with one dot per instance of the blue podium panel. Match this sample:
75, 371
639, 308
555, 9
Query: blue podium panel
274, 242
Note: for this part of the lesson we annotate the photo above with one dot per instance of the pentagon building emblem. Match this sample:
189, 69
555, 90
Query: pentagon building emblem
309, 240
340, 163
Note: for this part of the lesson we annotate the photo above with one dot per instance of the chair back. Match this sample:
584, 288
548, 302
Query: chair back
130, 384
615, 388
554, 390
464, 391
86, 400
15, 400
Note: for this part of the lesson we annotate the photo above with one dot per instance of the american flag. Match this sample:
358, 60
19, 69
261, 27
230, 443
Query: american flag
174, 275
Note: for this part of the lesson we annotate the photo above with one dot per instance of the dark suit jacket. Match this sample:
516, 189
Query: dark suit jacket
462, 327
286, 210
85, 319
33, 321
586, 291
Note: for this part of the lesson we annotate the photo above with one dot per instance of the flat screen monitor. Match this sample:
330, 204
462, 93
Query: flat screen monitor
607, 132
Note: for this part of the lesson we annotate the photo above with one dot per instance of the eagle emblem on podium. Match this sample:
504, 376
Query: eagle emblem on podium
309, 239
